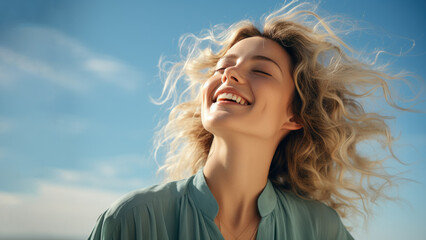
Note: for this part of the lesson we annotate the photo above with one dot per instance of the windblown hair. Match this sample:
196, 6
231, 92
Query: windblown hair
322, 160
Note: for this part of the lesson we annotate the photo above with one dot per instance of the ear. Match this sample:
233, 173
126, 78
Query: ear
291, 124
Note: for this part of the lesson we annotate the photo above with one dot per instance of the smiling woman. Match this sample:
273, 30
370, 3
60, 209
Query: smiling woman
266, 144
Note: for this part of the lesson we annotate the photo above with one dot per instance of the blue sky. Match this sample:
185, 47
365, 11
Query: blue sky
76, 122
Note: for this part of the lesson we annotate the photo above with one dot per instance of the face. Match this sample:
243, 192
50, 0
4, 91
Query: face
250, 91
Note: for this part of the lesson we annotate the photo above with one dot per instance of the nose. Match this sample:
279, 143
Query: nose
231, 74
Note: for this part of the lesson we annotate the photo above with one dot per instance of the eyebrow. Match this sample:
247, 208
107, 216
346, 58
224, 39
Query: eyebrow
256, 57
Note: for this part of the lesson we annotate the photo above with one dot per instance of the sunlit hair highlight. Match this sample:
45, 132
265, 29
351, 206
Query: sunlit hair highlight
322, 160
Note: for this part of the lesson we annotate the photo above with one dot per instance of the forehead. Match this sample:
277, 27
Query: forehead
255, 46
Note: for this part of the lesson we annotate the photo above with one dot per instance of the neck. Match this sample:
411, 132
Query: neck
236, 173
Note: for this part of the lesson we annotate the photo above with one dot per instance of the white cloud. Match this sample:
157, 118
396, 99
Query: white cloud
36, 52
36, 67
124, 173
62, 124
66, 204
55, 210
102, 66
8, 199
112, 71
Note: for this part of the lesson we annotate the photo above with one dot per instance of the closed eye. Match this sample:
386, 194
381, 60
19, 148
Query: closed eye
220, 69
262, 72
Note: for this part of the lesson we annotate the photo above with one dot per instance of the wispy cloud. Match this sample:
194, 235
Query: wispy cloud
38, 68
119, 173
36, 52
112, 71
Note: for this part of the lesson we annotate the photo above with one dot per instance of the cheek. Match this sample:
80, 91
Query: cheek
275, 103
204, 93
209, 85
207, 91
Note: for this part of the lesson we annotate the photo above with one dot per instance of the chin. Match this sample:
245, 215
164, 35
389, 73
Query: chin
223, 126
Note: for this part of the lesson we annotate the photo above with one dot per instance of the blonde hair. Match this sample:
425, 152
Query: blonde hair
320, 161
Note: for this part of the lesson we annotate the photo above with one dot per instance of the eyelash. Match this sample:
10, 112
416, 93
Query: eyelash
257, 71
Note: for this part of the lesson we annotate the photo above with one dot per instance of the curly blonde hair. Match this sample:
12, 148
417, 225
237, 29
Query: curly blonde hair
321, 161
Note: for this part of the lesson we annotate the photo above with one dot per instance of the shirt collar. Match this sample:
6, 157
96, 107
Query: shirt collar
204, 199
267, 200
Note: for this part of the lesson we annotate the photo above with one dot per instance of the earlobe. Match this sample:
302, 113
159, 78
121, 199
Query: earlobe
292, 125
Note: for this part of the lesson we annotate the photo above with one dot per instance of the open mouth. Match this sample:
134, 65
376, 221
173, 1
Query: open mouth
230, 97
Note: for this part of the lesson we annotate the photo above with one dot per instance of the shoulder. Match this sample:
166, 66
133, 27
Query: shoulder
161, 194
324, 221
137, 210
309, 208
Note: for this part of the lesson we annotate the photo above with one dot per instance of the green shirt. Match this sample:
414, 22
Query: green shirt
186, 210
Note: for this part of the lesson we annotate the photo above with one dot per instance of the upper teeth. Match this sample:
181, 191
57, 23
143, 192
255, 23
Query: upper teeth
231, 96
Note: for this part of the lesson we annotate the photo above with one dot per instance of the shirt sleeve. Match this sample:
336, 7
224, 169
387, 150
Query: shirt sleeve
108, 227
97, 230
105, 229
145, 222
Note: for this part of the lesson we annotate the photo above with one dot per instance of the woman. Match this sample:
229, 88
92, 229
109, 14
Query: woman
269, 132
